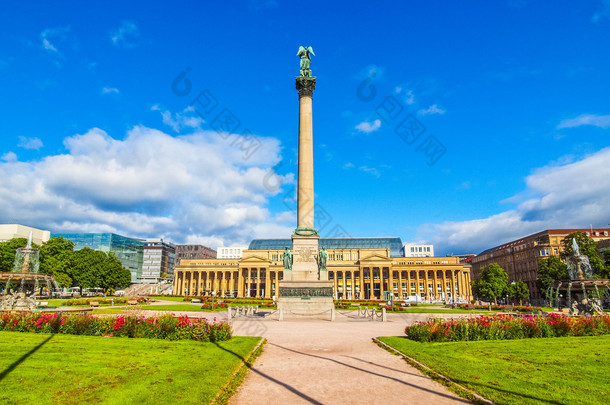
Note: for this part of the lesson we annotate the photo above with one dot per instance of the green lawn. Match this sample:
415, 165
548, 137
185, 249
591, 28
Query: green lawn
178, 307
64, 369
440, 311
572, 370
169, 298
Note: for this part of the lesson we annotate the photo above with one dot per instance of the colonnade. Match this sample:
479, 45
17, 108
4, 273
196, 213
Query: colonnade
362, 283
381, 282
245, 282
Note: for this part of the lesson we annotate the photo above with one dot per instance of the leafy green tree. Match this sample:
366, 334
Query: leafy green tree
56, 259
7, 253
93, 268
588, 247
549, 271
493, 282
518, 290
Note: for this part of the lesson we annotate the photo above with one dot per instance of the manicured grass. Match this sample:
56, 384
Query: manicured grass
178, 307
63, 369
571, 370
439, 311
169, 298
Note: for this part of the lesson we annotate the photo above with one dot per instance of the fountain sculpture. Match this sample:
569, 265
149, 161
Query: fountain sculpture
582, 291
24, 284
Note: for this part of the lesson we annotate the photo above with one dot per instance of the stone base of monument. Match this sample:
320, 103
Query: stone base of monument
306, 300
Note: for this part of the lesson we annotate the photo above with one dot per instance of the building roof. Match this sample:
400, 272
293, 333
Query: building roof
392, 243
542, 233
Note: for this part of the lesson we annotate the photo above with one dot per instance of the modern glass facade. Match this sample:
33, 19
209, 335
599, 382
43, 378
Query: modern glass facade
394, 244
129, 251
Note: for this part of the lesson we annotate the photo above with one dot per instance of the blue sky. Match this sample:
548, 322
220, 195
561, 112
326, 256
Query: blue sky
464, 124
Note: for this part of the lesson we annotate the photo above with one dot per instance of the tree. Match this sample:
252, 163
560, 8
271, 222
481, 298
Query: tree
493, 282
588, 247
93, 268
518, 290
7, 252
56, 259
549, 271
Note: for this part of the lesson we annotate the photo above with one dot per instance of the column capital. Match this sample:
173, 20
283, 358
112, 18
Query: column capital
305, 86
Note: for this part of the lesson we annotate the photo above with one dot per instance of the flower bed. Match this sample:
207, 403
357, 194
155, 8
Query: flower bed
162, 327
499, 327
101, 301
515, 308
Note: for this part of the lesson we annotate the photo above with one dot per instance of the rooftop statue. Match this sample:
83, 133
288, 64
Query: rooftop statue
305, 54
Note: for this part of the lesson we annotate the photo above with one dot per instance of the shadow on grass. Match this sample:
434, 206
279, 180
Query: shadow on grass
21, 359
471, 385
288, 387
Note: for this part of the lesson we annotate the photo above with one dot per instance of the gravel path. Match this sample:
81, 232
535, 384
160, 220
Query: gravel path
323, 362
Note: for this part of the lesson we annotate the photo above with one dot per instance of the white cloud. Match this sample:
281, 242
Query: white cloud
573, 195
125, 35
56, 35
370, 170
29, 143
150, 184
181, 120
432, 110
602, 121
603, 13
110, 90
9, 157
368, 127
410, 97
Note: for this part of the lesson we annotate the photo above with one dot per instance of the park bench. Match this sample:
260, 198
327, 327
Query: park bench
405, 304
94, 304
196, 300
132, 302
469, 306
509, 307
43, 304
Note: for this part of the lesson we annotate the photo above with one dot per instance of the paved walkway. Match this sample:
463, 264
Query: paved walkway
323, 362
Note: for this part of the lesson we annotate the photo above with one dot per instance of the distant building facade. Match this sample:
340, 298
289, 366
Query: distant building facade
129, 251
12, 231
158, 261
360, 268
230, 252
192, 252
418, 250
520, 258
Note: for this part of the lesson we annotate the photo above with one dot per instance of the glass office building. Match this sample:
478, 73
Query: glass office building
129, 251
392, 243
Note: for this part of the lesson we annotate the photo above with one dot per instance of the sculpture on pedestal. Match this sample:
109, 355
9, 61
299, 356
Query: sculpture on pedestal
305, 54
287, 259
322, 258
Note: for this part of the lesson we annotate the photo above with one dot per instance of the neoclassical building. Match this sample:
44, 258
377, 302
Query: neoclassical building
361, 268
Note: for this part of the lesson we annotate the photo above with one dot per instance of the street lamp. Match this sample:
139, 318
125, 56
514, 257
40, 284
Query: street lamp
213, 294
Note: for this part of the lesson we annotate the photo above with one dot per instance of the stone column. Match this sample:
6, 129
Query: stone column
371, 282
305, 201
427, 286
240, 284
267, 283
400, 293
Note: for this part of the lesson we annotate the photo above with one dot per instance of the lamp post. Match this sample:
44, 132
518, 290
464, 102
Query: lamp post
213, 294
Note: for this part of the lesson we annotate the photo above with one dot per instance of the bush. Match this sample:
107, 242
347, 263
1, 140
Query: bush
499, 327
163, 327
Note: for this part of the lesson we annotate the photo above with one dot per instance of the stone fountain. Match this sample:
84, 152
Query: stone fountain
582, 291
24, 284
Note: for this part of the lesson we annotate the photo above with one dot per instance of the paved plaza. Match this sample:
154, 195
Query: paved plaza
323, 362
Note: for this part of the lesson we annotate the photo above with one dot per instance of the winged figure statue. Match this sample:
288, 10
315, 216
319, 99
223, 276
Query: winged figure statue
305, 54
